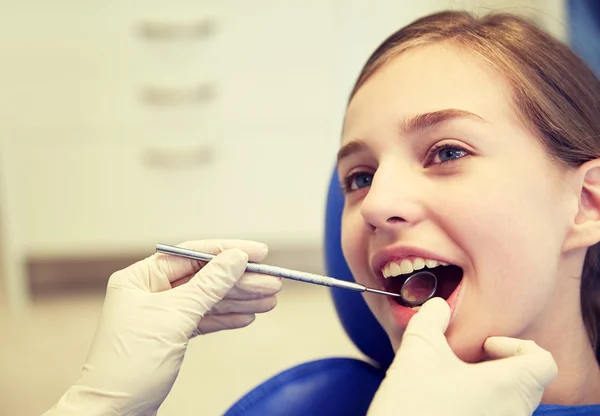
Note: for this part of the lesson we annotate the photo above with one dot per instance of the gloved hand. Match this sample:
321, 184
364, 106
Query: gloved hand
151, 311
427, 378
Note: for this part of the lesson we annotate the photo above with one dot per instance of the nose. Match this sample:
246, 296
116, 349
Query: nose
394, 200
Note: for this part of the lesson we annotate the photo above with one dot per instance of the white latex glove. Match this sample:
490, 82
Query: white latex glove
151, 311
427, 378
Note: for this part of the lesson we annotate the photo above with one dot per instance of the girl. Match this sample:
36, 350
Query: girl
471, 146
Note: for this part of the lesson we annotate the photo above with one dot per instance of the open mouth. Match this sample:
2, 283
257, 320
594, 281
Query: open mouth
448, 278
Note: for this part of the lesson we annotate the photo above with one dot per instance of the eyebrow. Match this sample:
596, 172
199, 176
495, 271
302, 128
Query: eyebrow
412, 125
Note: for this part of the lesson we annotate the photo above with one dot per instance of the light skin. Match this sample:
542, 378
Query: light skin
492, 203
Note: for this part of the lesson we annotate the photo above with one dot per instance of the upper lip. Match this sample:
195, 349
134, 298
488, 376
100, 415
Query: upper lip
383, 257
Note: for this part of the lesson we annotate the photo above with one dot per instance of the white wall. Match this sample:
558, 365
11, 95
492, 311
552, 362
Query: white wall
90, 165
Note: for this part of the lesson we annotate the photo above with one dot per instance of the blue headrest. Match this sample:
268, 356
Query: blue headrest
356, 317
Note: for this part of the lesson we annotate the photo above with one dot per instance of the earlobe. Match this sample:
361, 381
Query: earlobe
585, 231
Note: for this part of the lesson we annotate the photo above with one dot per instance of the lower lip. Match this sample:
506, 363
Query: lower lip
401, 314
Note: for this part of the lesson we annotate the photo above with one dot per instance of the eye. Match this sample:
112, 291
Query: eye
445, 153
356, 181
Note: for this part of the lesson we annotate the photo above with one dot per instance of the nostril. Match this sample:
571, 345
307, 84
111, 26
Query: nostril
394, 220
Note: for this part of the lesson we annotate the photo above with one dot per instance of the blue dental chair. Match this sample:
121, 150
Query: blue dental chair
342, 386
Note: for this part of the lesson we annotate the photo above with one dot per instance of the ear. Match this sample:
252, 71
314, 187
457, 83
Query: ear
585, 231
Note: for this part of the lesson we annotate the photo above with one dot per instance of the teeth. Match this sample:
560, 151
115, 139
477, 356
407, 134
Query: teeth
418, 263
386, 270
406, 266
431, 263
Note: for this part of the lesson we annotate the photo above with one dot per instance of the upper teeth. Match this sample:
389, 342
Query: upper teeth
405, 266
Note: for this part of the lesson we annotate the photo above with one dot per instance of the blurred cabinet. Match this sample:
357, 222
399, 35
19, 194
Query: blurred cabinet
133, 61
126, 123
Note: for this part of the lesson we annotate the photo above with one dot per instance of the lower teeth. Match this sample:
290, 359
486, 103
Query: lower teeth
415, 308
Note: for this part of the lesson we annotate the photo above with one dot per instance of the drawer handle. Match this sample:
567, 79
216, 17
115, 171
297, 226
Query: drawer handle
169, 158
155, 30
155, 95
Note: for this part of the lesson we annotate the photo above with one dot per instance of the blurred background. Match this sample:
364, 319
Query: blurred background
125, 123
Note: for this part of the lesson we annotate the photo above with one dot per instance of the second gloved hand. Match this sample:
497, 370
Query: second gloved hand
151, 311
427, 378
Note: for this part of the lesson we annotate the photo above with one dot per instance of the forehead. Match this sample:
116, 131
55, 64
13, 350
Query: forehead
427, 79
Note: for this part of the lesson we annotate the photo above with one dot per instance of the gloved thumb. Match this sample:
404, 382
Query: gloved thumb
431, 321
522, 356
212, 283
423, 343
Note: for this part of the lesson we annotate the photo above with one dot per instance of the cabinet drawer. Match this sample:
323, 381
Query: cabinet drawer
86, 63
100, 196
262, 185
121, 62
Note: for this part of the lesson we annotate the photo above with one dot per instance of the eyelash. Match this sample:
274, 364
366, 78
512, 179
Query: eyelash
347, 182
437, 148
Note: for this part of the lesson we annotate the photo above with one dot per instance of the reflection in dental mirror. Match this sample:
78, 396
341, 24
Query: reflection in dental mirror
419, 288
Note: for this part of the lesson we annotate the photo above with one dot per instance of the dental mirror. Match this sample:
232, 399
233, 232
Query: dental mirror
419, 288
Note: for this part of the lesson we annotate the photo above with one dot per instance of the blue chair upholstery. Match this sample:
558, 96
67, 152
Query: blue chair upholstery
333, 386
342, 386
356, 317
584, 30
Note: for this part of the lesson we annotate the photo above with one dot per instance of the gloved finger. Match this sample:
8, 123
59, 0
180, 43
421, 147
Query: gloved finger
523, 355
432, 319
181, 281
244, 306
423, 343
504, 347
256, 251
250, 286
214, 280
255, 286
214, 323
177, 268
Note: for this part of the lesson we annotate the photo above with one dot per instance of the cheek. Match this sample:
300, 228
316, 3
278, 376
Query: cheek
512, 216
512, 279
506, 225
354, 244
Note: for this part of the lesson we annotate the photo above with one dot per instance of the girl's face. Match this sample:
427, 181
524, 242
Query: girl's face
438, 168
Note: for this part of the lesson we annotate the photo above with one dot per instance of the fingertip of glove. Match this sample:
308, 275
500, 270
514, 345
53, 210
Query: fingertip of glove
263, 249
508, 346
436, 302
436, 306
244, 320
241, 254
435, 313
272, 284
256, 251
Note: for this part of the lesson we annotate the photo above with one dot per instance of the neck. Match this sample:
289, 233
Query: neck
563, 333
578, 379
